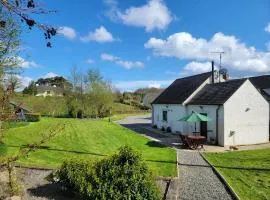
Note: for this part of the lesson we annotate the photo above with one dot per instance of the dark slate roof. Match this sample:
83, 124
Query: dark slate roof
216, 94
261, 82
181, 89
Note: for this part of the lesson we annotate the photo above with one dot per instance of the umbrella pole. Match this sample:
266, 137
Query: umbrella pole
195, 128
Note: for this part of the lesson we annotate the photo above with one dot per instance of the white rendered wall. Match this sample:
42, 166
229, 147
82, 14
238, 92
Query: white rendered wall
246, 117
175, 112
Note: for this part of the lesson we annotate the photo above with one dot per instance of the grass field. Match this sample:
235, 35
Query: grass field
87, 139
248, 172
56, 106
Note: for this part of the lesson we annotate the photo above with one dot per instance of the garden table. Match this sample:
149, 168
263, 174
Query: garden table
195, 141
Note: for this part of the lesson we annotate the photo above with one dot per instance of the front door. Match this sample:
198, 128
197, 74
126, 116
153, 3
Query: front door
203, 127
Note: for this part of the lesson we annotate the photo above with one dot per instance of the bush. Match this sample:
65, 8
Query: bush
168, 129
162, 128
32, 117
122, 176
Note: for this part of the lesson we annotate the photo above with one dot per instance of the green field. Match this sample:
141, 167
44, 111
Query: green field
56, 106
87, 139
248, 172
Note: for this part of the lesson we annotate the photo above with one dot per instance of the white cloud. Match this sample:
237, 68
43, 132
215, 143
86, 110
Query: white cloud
153, 15
24, 80
238, 56
49, 75
67, 32
109, 57
27, 64
90, 61
154, 85
198, 67
133, 85
267, 28
99, 35
119, 61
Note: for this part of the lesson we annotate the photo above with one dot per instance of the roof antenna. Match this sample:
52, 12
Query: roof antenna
220, 58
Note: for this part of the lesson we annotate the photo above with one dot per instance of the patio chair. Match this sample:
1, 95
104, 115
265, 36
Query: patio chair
183, 139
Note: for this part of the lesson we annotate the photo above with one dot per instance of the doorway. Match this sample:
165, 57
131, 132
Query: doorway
203, 127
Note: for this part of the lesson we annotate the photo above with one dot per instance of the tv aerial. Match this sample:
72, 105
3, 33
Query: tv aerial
222, 71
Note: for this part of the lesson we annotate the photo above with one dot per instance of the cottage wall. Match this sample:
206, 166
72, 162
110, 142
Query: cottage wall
175, 112
246, 117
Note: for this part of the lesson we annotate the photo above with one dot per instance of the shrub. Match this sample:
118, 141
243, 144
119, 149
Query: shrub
32, 117
154, 126
121, 176
162, 128
168, 129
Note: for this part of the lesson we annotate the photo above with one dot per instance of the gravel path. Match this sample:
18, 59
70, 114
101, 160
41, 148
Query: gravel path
36, 187
197, 180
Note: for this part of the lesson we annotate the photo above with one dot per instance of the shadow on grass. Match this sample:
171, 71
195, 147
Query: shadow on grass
161, 161
242, 168
49, 191
155, 144
226, 167
62, 150
3, 149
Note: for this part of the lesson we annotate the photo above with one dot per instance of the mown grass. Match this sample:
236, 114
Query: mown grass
86, 139
248, 172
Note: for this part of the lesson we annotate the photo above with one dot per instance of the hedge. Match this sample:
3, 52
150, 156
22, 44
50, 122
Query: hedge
32, 117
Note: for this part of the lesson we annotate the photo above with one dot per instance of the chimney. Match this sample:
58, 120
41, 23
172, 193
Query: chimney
213, 66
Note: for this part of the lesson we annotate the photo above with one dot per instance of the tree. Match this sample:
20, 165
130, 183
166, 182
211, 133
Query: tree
9, 44
24, 10
91, 95
13, 81
31, 89
99, 94
58, 81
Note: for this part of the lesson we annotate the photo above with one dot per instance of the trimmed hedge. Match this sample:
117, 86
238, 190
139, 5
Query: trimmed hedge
122, 176
32, 117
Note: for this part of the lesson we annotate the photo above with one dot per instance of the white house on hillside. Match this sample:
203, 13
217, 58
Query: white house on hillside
239, 111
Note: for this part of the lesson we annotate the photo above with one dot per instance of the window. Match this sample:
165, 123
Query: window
165, 115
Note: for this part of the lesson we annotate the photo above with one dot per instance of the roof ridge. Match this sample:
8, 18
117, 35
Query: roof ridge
193, 75
259, 76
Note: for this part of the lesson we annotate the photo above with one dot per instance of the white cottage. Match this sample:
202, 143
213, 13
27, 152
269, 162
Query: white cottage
239, 112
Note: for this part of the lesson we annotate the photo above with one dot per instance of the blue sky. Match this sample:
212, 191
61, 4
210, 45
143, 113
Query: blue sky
143, 43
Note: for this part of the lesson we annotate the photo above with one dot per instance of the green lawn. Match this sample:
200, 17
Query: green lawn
248, 172
87, 139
